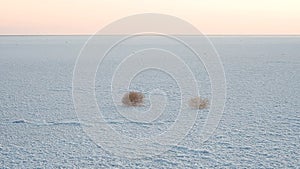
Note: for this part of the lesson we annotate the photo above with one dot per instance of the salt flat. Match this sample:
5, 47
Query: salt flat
259, 128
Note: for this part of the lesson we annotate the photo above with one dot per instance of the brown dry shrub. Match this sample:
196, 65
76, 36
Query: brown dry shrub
198, 103
133, 99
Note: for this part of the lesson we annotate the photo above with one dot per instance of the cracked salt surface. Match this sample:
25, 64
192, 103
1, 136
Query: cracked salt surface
259, 129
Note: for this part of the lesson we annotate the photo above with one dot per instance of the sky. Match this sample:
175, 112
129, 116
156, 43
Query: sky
212, 17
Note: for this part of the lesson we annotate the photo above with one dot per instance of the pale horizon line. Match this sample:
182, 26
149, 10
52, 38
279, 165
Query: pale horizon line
128, 34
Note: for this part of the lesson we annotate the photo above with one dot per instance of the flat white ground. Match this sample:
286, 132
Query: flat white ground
260, 127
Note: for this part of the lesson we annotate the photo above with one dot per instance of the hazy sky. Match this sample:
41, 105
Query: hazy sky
209, 16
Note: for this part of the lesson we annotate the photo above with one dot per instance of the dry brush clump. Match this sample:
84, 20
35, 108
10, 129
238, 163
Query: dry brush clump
133, 99
199, 103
